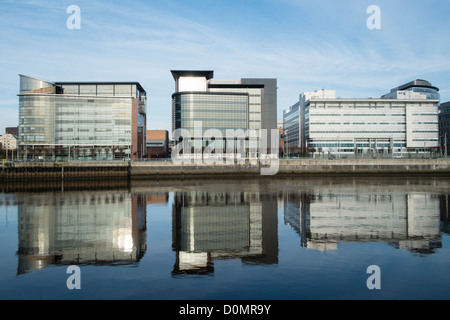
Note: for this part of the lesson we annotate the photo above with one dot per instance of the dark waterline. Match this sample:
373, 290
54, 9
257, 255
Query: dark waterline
267, 239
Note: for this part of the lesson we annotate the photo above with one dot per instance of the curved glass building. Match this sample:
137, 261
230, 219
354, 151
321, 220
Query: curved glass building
421, 88
81, 121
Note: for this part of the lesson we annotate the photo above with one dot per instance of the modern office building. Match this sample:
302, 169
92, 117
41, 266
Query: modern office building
246, 104
304, 99
81, 120
404, 121
444, 127
294, 120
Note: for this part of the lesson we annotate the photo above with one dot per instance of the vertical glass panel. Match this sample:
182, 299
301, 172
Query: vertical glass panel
255, 108
70, 89
123, 90
255, 100
32, 85
105, 90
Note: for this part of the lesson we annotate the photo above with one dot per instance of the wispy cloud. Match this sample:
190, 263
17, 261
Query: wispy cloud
308, 46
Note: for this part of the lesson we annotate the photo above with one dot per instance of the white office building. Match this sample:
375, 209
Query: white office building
404, 121
294, 120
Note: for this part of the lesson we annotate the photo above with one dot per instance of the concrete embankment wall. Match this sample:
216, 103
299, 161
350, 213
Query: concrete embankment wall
82, 171
425, 167
74, 171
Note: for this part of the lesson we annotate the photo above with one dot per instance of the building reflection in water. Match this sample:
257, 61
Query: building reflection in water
407, 221
72, 228
217, 221
209, 226
445, 217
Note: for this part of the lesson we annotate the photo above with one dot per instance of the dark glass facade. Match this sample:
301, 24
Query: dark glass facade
214, 110
245, 105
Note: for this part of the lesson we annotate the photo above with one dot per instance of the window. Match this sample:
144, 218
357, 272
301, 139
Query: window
105, 90
88, 89
123, 90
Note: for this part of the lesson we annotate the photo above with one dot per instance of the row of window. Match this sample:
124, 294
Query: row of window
87, 140
252, 92
359, 145
357, 115
321, 106
106, 90
349, 132
358, 123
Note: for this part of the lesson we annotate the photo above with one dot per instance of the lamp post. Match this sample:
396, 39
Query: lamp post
446, 145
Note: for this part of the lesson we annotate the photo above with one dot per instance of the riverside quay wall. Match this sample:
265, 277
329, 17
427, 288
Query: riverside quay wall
60, 171
90, 171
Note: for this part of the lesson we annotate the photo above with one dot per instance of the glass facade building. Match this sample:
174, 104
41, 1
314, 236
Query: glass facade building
81, 121
223, 106
291, 126
404, 121
421, 87
221, 111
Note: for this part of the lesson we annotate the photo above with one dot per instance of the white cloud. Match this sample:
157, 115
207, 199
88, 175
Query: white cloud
119, 42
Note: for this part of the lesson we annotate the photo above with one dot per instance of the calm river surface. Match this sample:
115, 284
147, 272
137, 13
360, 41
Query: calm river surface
274, 239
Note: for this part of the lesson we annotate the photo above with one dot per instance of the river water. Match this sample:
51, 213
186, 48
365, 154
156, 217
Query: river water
267, 239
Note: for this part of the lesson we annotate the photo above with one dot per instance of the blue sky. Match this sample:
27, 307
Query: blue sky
306, 45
